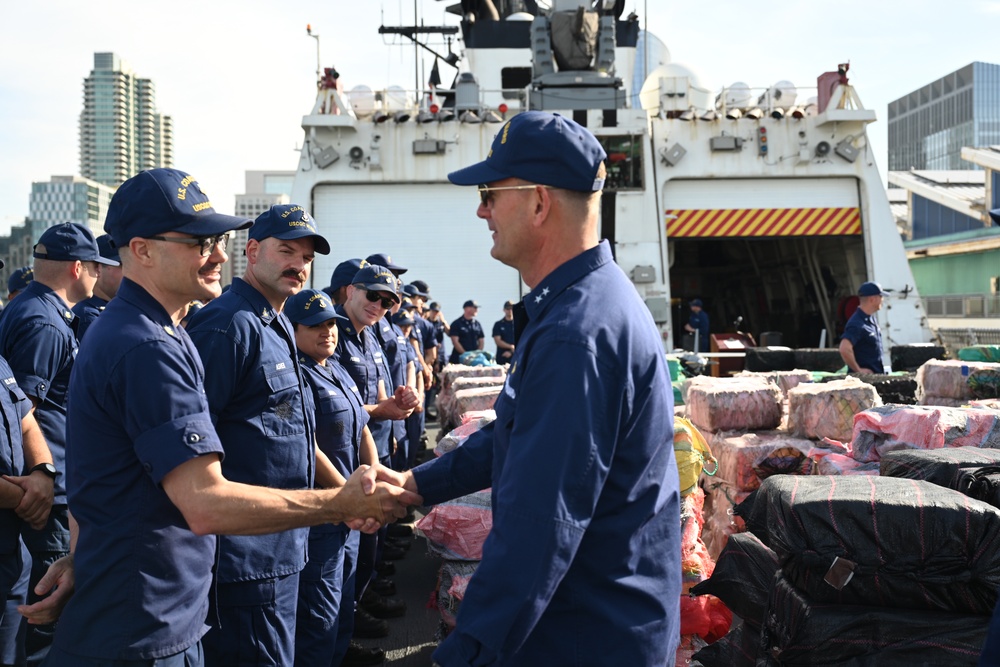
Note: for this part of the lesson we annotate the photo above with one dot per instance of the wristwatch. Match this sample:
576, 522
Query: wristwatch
47, 468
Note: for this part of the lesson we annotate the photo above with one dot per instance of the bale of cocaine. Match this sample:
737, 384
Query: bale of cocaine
891, 427
734, 404
826, 410
880, 541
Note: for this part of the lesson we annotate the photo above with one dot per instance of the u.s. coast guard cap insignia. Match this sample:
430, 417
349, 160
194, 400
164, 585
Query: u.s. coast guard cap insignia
286, 222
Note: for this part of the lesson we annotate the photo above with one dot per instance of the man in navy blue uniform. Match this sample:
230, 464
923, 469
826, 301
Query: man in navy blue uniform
698, 322
861, 344
108, 279
38, 339
582, 565
265, 418
503, 334
18, 280
144, 460
466, 332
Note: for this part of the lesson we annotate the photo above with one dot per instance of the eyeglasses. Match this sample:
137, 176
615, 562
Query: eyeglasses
207, 243
484, 191
373, 296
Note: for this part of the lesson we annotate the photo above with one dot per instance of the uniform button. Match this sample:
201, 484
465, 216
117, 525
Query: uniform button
193, 438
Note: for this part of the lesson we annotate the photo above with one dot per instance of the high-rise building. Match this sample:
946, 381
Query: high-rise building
121, 132
264, 189
929, 127
68, 199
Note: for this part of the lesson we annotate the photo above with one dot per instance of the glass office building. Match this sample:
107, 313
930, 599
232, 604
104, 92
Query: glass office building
121, 132
68, 199
929, 127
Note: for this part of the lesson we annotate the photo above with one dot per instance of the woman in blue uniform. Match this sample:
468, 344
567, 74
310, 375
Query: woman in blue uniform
323, 633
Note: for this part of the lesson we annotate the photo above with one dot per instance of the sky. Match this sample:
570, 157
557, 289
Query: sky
237, 76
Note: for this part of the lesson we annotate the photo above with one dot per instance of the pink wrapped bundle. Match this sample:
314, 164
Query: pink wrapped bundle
457, 437
720, 523
830, 463
987, 403
457, 529
453, 579
734, 404
743, 457
892, 427
696, 564
948, 379
446, 401
480, 398
943, 401
784, 379
451, 372
826, 410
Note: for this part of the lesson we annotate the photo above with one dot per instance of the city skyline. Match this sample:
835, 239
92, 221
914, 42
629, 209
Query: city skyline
237, 81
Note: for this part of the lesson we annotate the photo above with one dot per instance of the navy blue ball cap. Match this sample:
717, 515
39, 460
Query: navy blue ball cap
311, 307
286, 222
540, 147
422, 286
107, 248
435, 307
69, 242
871, 289
383, 259
19, 279
407, 304
165, 200
470, 304
413, 290
402, 318
377, 279
345, 272
696, 302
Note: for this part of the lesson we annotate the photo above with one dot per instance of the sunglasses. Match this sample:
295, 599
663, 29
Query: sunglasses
373, 296
486, 198
207, 244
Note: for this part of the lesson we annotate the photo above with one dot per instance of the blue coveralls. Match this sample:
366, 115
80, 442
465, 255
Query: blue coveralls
38, 339
699, 322
582, 565
86, 312
866, 337
138, 411
468, 332
265, 418
505, 329
14, 406
326, 587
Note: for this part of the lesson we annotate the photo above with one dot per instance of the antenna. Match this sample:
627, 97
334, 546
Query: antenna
319, 69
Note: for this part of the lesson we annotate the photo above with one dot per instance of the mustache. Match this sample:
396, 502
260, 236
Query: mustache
209, 268
291, 273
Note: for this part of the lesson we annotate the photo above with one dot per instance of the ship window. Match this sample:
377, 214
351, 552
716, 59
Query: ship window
514, 80
624, 163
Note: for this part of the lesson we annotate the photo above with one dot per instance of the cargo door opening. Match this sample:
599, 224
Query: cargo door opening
779, 259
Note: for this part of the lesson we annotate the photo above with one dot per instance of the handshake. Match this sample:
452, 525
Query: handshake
374, 496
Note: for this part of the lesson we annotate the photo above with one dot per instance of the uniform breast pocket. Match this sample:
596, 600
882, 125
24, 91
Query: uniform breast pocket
283, 413
334, 424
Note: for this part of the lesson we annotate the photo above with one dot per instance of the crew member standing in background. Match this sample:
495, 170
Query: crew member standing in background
861, 344
698, 322
503, 334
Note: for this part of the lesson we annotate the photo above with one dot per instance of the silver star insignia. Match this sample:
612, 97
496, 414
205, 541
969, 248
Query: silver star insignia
545, 291
538, 299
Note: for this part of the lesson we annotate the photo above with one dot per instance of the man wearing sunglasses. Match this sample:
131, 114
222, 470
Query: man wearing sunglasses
144, 472
584, 556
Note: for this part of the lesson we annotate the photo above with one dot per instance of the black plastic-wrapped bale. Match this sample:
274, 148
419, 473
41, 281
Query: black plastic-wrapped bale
800, 631
912, 357
742, 577
760, 359
739, 648
819, 359
880, 541
938, 466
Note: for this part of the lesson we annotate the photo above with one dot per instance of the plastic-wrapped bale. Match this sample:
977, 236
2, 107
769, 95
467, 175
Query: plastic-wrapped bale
447, 406
880, 541
784, 379
986, 403
893, 427
696, 564
734, 404
453, 371
480, 398
704, 616
943, 401
457, 529
801, 631
742, 577
832, 463
692, 454
970, 470
913, 356
985, 382
457, 437
720, 522
989, 353
948, 379
453, 578
746, 458
739, 648
898, 388
826, 410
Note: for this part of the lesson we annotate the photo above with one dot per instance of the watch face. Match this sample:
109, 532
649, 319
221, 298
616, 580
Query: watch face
47, 468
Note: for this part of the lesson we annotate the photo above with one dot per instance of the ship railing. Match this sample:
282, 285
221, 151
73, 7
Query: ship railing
963, 305
401, 105
954, 339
